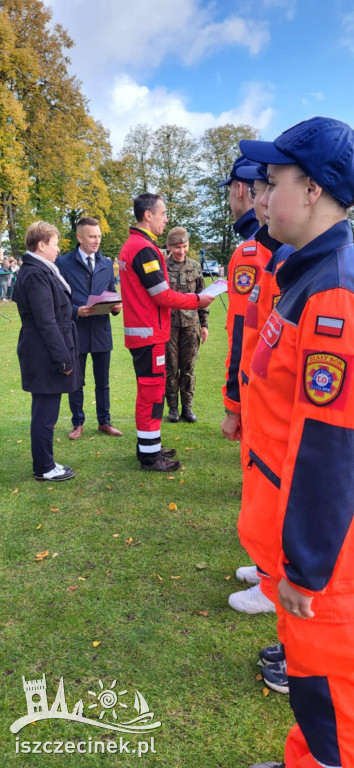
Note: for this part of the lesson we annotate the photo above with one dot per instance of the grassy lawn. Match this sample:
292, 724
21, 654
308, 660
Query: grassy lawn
160, 624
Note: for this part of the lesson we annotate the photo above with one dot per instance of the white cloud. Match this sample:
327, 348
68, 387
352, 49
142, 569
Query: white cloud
348, 40
289, 6
131, 104
145, 34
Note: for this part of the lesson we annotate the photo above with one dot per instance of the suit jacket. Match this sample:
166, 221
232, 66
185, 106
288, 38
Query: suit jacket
95, 333
48, 344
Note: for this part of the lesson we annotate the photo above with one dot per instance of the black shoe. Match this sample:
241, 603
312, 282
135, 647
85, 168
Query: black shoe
173, 415
57, 474
267, 765
271, 654
188, 415
162, 464
168, 452
275, 677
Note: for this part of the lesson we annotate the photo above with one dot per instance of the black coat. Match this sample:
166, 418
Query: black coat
95, 333
48, 343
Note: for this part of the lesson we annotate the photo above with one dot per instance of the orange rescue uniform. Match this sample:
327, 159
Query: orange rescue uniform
296, 518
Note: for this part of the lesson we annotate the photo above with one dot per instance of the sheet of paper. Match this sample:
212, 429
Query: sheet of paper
214, 289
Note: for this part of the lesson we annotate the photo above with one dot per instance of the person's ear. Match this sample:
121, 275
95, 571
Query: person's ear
313, 190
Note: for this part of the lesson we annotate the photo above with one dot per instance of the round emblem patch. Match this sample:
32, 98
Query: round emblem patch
244, 278
323, 377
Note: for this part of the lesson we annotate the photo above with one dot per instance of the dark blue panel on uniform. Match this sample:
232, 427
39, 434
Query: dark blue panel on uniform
311, 702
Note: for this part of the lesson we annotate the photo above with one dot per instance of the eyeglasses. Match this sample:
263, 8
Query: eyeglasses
251, 192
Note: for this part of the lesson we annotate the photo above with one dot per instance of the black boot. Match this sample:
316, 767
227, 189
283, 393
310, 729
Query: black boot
173, 415
187, 414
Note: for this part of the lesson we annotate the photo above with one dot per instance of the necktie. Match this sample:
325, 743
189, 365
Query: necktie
89, 262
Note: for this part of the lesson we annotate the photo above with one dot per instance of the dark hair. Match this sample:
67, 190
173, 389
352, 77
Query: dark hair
87, 221
145, 202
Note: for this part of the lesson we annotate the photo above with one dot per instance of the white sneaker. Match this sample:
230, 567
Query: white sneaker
251, 601
248, 573
57, 474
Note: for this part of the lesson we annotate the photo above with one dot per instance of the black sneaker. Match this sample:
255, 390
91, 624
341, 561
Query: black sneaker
173, 415
162, 464
168, 453
275, 677
267, 765
272, 654
188, 415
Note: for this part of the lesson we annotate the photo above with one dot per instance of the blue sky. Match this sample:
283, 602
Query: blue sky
269, 63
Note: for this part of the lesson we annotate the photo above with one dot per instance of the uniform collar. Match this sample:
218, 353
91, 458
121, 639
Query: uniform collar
339, 235
246, 225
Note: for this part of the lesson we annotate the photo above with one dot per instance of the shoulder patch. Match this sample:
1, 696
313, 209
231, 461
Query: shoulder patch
329, 326
249, 250
255, 294
324, 376
275, 300
151, 266
271, 330
244, 278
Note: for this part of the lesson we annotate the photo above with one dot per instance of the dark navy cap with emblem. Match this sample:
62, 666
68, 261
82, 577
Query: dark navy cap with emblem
322, 147
253, 173
236, 173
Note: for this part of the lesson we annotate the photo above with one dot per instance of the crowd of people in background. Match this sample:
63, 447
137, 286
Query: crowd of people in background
9, 268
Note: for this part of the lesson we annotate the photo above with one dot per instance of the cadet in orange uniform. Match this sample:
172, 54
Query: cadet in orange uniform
297, 510
245, 272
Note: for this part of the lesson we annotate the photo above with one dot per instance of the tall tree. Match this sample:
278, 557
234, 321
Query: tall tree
175, 166
219, 149
62, 148
138, 147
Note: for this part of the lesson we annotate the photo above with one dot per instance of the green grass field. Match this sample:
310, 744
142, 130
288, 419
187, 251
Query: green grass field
160, 625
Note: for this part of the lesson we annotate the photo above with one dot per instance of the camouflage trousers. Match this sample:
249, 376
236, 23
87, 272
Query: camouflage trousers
181, 354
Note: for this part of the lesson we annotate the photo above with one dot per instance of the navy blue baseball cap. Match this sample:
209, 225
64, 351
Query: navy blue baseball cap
254, 173
322, 147
239, 163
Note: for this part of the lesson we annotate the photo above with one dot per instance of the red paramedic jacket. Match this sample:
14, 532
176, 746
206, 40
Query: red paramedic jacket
146, 295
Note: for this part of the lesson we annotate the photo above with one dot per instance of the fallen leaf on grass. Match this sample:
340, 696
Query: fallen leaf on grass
72, 589
176, 577
54, 509
115, 535
96, 643
181, 481
109, 488
158, 576
42, 555
202, 613
109, 473
55, 554
50, 488
15, 491
39, 526
265, 691
201, 566
259, 677
177, 438
98, 453
129, 541
19, 441
81, 578
172, 506
170, 477
107, 572
182, 467
136, 543
227, 578
57, 439
188, 511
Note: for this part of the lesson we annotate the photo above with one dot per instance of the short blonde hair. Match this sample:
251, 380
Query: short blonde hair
39, 231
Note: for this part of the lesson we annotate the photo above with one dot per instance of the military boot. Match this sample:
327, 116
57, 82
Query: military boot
187, 414
173, 415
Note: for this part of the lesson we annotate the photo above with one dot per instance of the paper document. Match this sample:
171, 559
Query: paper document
102, 305
214, 289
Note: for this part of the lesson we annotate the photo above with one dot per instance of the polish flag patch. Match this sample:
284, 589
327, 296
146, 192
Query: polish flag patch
329, 326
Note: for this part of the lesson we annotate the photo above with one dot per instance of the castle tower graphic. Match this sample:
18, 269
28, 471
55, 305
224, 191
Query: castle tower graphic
36, 695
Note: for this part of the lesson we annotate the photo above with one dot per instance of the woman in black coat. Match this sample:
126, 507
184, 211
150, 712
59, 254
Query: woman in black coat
47, 345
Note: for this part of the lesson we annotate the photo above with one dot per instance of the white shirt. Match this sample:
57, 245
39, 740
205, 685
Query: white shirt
86, 256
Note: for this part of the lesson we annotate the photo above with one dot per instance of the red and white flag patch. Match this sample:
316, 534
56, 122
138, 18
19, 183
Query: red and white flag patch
329, 326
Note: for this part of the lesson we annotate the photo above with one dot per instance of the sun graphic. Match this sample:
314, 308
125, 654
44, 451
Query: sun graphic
107, 699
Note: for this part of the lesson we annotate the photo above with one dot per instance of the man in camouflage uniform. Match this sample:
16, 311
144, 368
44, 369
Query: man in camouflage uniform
188, 327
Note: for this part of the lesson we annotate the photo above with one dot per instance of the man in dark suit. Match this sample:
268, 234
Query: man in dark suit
88, 272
